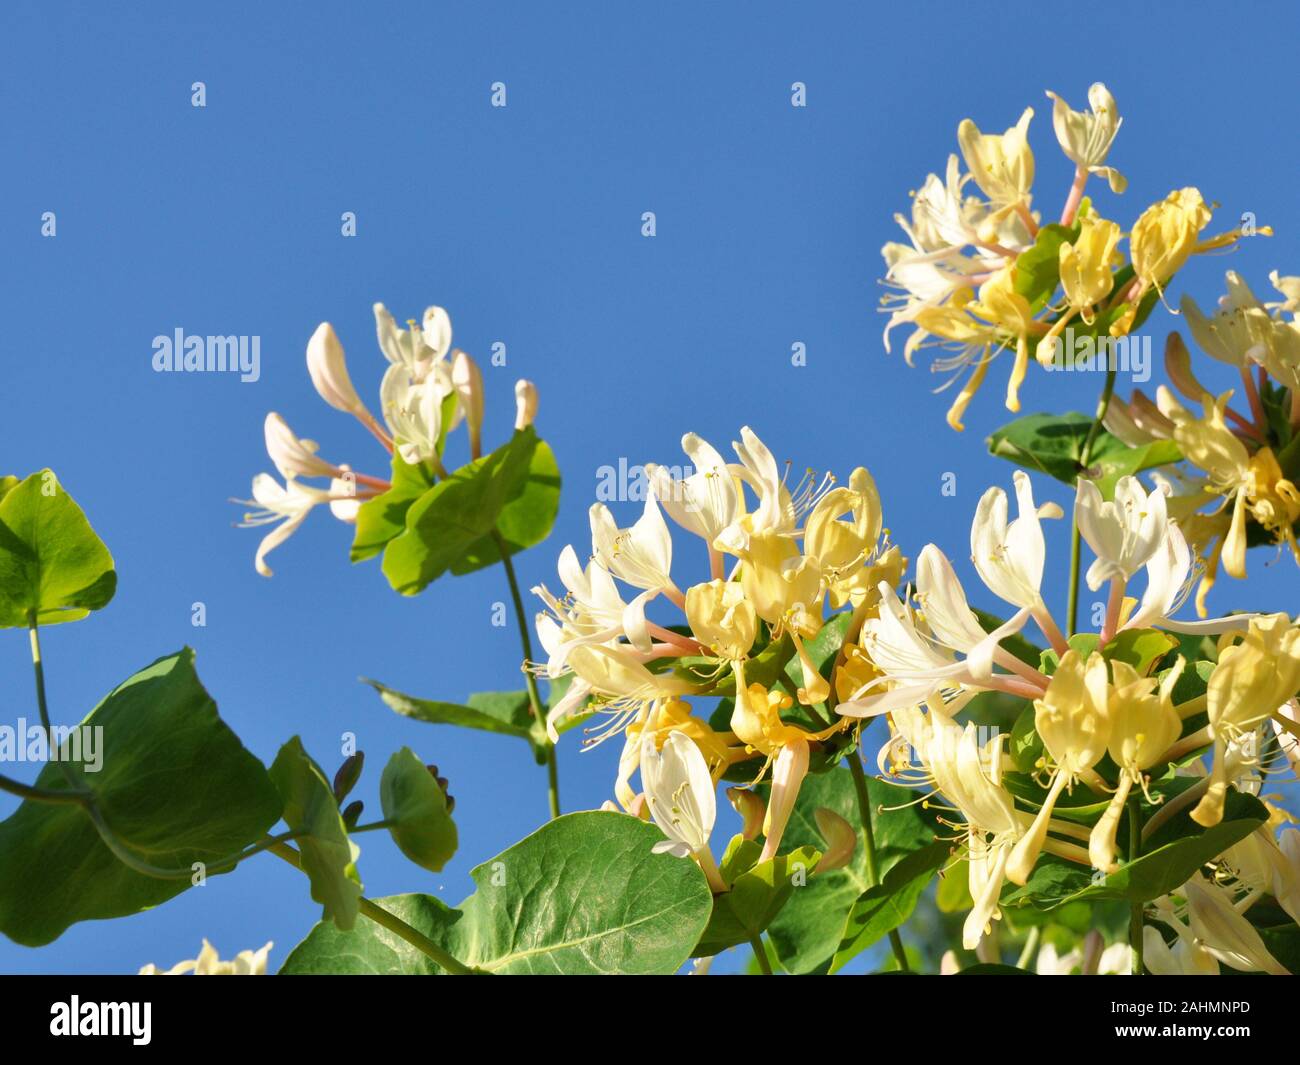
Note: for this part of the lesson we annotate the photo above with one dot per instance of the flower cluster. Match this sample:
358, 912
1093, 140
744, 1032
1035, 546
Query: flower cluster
777, 558
428, 390
1103, 718
1234, 482
981, 272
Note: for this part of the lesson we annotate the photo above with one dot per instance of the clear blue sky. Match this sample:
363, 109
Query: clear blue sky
525, 223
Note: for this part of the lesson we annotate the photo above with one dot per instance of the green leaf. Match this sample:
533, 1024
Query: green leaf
584, 894
1140, 648
412, 800
1053, 444
525, 521
326, 854
505, 712
446, 525
811, 925
51, 561
1038, 269
765, 668
381, 519
175, 785
372, 950
881, 909
1155, 873
756, 897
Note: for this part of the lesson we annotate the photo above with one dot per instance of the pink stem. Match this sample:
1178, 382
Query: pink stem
1075, 197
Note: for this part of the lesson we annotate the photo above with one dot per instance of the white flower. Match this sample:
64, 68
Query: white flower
679, 792
1167, 573
1216, 925
208, 963
1009, 557
289, 505
642, 555
467, 380
1124, 533
525, 404
1184, 958
413, 411
705, 502
1086, 136
292, 456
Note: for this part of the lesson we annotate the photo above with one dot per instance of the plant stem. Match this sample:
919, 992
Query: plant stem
760, 955
1030, 948
42, 705
1135, 908
873, 867
534, 696
1085, 456
36, 794
392, 922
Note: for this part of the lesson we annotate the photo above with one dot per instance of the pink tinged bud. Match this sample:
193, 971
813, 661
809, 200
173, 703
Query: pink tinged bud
788, 770
329, 371
841, 840
525, 404
467, 380
1178, 365
752, 810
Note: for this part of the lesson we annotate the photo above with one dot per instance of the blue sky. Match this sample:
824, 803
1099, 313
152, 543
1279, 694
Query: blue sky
525, 222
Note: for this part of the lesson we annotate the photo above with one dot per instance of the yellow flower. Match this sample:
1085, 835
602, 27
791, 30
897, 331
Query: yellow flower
1086, 264
1252, 680
1166, 234
1001, 164
722, 618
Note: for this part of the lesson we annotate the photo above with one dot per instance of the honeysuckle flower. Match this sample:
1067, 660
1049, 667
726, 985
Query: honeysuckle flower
1167, 576
467, 380
1073, 720
664, 717
706, 501
1125, 532
1184, 958
774, 511
615, 677
288, 504
756, 722
1086, 136
411, 347
841, 547
641, 554
1143, 725
968, 776
329, 372
1215, 925
680, 795
1113, 961
413, 411
921, 665
1009, 557
593, 611
1252, 679
292, 456
1163, 238
841, 839
525, 404
1087, 269
752, 809
1001, 164
208, 963
721, 618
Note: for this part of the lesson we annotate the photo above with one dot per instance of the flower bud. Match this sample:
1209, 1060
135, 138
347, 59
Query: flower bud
525, 404
348, 775
752, 809
467, 379
329, 371
841, 839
